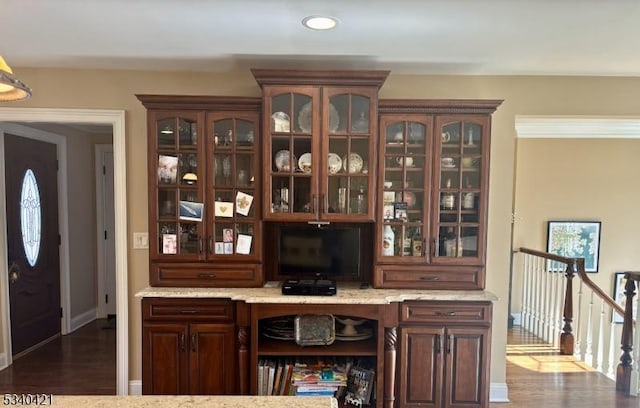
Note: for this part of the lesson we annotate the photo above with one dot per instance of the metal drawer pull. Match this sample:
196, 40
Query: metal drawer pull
188, 311
206, 275
445, 313
430, 278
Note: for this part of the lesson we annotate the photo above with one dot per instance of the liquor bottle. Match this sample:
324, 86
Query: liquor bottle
450, 242
416, 243
361, 202
407, 243
388, 241
448, 200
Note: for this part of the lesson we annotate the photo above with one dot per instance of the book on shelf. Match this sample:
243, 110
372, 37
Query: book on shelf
360, 385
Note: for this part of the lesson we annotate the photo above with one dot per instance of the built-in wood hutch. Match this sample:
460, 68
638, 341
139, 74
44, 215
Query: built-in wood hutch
319, 150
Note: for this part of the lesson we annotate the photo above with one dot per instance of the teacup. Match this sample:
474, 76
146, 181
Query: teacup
447, 162
408, 161
468, 162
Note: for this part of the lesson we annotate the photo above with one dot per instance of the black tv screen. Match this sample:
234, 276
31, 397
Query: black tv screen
308, 251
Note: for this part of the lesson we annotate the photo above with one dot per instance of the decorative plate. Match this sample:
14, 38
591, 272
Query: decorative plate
305, 115
335, 163
304, 163
314, 330
282, 162
354, 162
280, 122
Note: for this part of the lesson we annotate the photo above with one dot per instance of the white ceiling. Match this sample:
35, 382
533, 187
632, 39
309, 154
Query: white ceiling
540, 37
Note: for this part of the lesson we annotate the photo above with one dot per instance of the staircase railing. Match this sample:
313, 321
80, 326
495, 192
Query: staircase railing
550, 299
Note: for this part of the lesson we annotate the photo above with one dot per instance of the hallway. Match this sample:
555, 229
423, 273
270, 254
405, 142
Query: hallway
80, 363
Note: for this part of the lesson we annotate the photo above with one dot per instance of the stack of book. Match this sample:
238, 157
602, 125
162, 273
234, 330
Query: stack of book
317, 380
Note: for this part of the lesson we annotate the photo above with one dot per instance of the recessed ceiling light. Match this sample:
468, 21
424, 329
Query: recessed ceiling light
319, 22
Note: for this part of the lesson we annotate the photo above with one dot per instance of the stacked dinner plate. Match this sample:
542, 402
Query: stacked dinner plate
279, 328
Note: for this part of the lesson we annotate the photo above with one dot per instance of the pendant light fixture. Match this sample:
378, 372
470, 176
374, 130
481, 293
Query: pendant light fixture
11, 88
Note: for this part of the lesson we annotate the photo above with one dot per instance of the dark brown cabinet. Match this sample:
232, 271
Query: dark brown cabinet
444, 355
320, 132
203, 167
188, 347
433, 193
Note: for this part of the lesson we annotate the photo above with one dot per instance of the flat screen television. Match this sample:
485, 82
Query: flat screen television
307, 251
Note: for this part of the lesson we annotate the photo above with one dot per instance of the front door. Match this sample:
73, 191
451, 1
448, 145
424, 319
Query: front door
32, 240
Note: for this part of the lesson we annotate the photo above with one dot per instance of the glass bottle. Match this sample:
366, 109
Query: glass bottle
388, 240
450, 242
448, 201
361, 202
416, 243
407, 243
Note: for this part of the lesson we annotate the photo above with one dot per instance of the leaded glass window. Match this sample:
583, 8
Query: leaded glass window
30, 217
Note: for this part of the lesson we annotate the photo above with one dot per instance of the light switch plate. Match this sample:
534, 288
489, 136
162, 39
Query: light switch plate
140, 240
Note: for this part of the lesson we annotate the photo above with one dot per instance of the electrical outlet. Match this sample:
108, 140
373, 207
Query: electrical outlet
140, 240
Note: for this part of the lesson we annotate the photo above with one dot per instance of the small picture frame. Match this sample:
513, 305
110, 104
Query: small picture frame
191, 211
227, 235
619, 283
575, 239
400, 210
388, 212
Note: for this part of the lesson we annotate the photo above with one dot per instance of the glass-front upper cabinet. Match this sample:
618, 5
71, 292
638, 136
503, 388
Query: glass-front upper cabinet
405, 169
177, 161
460, 181
320, 135
233, 187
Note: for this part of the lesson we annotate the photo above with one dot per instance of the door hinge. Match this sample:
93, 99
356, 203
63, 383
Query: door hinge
104, 170
105, 234
106, 298
61, 313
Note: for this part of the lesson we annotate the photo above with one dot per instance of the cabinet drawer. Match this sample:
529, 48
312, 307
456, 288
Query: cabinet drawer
206, 275
191, 309
407, 277
439, 312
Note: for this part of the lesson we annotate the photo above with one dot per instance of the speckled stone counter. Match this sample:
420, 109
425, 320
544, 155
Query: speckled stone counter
153, 401
347, 294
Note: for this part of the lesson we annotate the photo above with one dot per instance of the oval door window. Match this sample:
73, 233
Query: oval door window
30, 217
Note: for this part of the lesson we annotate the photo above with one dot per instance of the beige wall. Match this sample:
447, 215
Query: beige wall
580, 179
522, 95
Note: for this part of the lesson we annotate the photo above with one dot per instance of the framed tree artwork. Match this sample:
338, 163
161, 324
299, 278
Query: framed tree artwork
575, 239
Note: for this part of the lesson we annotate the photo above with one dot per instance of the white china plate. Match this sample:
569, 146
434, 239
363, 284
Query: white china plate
281, 122
281, 160
452, 166
305, 115
334, 163
304, 162
354, 162
365, 334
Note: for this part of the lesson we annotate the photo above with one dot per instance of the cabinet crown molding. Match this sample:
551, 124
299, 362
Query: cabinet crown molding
319, 77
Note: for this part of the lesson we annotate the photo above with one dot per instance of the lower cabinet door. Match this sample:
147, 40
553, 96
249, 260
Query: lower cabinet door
467, 371
164, 362
444, 367
211, 359
421, 366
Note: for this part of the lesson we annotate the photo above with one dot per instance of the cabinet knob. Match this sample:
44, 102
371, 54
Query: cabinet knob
206, 276
430, 278
445, 313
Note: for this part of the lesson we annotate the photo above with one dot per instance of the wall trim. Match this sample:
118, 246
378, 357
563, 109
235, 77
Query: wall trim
3, 361
498, 392
135, 387
567, 127
82, 319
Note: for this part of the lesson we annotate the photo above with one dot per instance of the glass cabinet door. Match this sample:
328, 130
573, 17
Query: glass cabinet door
406, 175
348, 145
460, 182
234, 188
291, 154
178, 164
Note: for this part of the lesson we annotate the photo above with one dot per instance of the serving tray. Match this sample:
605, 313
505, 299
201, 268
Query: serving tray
314, 329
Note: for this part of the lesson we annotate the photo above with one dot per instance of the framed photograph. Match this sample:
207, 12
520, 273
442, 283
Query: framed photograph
619, 282
575, 239
191, 211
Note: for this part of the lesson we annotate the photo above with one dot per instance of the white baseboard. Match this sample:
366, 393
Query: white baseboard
135, 387
82, 319
498, 392
3, 361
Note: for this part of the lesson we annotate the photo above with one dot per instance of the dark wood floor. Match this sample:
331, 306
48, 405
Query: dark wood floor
80, 363
83, 363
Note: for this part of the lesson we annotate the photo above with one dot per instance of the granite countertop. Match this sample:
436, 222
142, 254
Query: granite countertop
170, 401
347, 294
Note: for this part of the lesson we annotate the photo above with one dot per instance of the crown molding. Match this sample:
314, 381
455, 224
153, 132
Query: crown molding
568, 127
